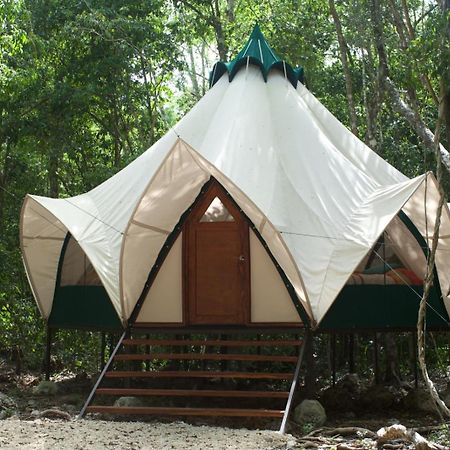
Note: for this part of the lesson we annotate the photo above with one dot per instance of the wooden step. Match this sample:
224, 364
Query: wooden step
170, 411
214, 342
191, 393
198, 374
204, 356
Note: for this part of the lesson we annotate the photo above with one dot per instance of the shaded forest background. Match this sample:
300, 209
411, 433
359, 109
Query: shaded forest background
86, 86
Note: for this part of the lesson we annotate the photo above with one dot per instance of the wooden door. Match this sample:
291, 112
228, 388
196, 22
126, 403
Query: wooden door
216, 262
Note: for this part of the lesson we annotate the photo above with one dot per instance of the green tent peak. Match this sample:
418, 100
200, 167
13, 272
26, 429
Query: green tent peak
258, 52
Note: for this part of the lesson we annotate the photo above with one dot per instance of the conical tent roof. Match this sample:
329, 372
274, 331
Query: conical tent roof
319, 197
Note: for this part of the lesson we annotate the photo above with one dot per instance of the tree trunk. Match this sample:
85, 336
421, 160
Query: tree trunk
53, 165
429, 278
348, 79
445, 82
392, 370
192, 74
398, 104
218, 29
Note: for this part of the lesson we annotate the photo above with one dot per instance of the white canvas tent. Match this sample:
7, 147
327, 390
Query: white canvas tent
317, 195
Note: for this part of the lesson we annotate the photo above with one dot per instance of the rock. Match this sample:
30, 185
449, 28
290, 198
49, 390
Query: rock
380, 397
8, 406
55, 414
446, 395
344, 396
310, 412
420, 400
128, 401
46, 388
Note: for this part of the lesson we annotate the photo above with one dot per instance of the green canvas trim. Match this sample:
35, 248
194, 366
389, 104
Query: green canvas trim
87, 307
84, 307
383, 307
259, 53
390, 306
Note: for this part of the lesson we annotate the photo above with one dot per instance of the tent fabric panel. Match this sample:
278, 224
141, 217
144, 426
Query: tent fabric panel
83, 307
406, 247
414, 209
367, 224
270, 300
43, 273
42, 237
172, 190
81, 218
164, 301
382, 307
360, 155
180, 179
269, 233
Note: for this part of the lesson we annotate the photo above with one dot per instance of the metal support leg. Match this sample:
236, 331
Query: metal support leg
101, 376
293, 386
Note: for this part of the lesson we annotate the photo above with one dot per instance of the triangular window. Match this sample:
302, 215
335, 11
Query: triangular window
217, 212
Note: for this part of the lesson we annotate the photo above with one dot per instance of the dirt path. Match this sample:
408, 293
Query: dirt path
44, 434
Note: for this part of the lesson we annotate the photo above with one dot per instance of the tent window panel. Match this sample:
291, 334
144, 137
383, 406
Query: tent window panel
76, 268
217, 212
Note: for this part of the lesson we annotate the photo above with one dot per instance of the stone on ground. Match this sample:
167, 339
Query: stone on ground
310, 412
420, 400
128, 401
8, 406
46, 388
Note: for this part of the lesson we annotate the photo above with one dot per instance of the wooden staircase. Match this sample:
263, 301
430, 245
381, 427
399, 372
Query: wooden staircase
174, 375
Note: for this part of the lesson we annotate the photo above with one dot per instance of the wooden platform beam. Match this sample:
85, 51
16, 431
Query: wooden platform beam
205, 356
165, 411
191, 393
199, 374
214, 342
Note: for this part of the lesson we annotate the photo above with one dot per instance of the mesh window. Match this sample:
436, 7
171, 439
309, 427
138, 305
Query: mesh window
76, 269
217, 212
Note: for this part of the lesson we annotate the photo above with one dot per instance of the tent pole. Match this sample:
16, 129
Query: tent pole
294, 383
48, 349
101, 376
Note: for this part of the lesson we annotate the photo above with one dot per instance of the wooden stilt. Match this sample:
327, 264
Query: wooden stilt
102, 349
351, 353
147, 351
48, 350
333, 358
376, 359
310, 369
293, 386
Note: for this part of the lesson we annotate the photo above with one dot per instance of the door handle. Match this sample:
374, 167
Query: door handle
242, 258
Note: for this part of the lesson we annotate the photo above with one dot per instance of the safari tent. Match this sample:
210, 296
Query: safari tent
257, 209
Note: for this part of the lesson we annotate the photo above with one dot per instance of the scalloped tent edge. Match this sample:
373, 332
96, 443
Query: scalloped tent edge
257, 52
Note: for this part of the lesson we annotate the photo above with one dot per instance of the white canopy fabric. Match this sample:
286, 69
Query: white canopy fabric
319, 196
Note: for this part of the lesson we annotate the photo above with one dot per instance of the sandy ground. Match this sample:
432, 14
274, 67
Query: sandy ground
46, 434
